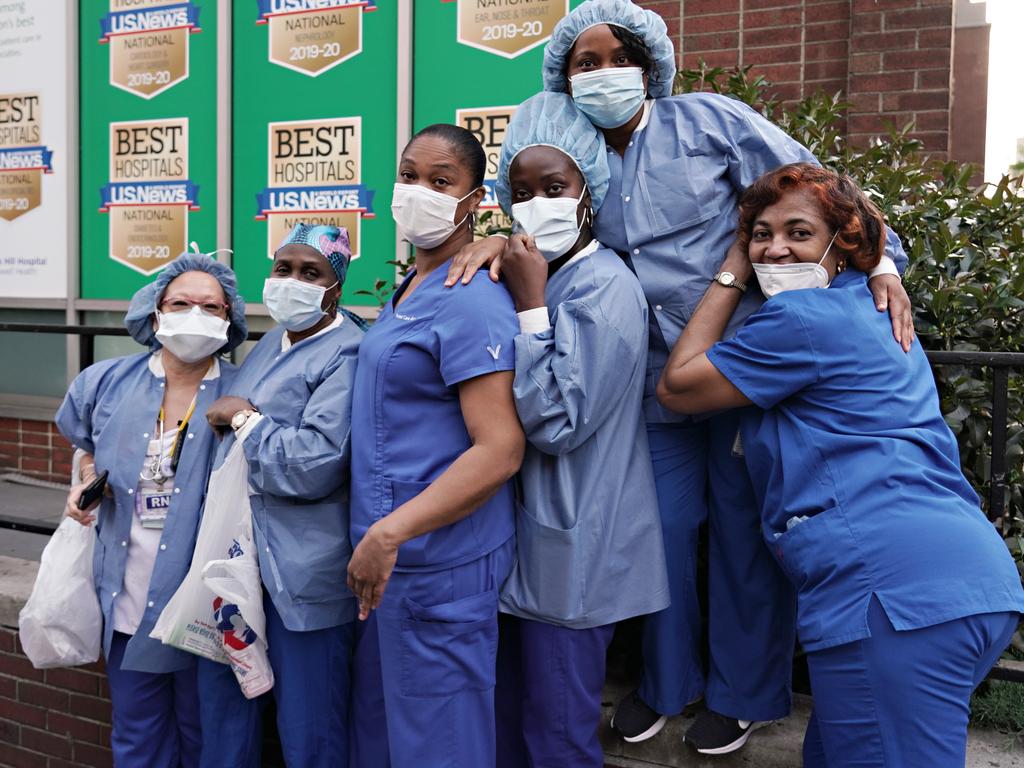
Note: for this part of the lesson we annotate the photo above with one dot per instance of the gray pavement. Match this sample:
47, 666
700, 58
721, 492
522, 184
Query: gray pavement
777, 745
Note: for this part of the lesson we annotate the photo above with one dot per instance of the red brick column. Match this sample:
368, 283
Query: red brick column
890, 58
57, 718
900, 65
34, 448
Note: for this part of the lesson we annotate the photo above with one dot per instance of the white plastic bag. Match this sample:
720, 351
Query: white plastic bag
61, 624
187, 621
238, 610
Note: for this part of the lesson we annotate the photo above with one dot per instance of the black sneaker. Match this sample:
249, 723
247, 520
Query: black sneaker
635, 721
715, 734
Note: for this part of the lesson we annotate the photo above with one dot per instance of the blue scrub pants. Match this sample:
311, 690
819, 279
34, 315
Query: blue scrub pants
901, 698
312, 682
155, 715
548, 697
751, 605
424, 668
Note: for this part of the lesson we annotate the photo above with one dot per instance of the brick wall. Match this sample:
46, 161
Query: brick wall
60, 718
57, 718
890, 58
34, 448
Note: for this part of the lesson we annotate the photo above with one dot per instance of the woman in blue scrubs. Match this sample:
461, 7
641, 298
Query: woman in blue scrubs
678, 165
435, 441
906, 593
588, 539
142, 419
290, 408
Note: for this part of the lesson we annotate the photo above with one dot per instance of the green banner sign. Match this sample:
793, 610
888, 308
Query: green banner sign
314, 132
501, 42
148, 82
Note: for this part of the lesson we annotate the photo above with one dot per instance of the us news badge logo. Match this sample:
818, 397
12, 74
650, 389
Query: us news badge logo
313, 36
23, 158
488, 125
314, 176
149, 44
507, 28
149, 194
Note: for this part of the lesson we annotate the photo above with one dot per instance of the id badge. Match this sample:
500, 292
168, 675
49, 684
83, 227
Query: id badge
155, 504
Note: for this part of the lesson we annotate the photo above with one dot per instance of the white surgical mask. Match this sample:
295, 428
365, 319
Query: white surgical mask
191, 336
426, 217
294, 304
551, 222
776, 278
611, 96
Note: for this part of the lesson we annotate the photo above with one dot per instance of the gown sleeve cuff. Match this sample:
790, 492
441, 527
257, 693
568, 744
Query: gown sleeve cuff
534, 320
886, 266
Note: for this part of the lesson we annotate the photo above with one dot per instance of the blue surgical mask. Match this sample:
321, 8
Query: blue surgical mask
611, 96
294, 304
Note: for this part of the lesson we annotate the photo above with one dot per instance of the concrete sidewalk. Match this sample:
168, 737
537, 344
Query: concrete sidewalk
775, 746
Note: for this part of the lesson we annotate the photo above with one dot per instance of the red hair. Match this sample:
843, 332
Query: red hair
857, 222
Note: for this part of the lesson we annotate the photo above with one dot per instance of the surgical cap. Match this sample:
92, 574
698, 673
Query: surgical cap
329, 241
552, 120
647, 25
139, 319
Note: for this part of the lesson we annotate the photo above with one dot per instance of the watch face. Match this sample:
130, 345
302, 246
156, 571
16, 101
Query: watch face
727, 278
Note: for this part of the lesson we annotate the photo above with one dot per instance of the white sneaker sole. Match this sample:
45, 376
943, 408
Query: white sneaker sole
649, 733
738, 744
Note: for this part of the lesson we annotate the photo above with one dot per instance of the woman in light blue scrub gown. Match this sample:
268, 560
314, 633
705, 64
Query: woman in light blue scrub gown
678, 165
289, 407
435, 442
588, 539
142, 419
906, 593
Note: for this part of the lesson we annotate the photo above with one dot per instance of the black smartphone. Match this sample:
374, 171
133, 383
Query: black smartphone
93, 491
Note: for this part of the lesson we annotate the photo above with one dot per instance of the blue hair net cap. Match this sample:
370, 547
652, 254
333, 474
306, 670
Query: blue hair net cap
552, 119
329, 241
647, 25
139, 318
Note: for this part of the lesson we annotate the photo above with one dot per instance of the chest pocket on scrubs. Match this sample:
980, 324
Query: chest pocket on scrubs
449, 648
679, 194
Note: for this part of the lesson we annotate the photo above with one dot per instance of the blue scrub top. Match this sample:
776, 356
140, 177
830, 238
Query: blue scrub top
407, 425
671, 209
852, 438
588, 535
110, 411
298, 456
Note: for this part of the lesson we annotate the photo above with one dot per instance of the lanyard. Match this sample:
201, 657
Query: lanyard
163, 467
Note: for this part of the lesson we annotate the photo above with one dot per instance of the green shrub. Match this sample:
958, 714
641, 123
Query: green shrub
966, 272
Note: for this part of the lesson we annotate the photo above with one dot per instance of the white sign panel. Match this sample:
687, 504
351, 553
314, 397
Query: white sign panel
34, 160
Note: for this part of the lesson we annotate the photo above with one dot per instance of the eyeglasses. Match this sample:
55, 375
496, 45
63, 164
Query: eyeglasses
183, 304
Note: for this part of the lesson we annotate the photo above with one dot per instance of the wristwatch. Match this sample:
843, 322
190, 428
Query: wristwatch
728, 279
239, 419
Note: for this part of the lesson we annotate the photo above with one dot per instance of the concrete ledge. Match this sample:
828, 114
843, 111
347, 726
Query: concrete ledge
16, 579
